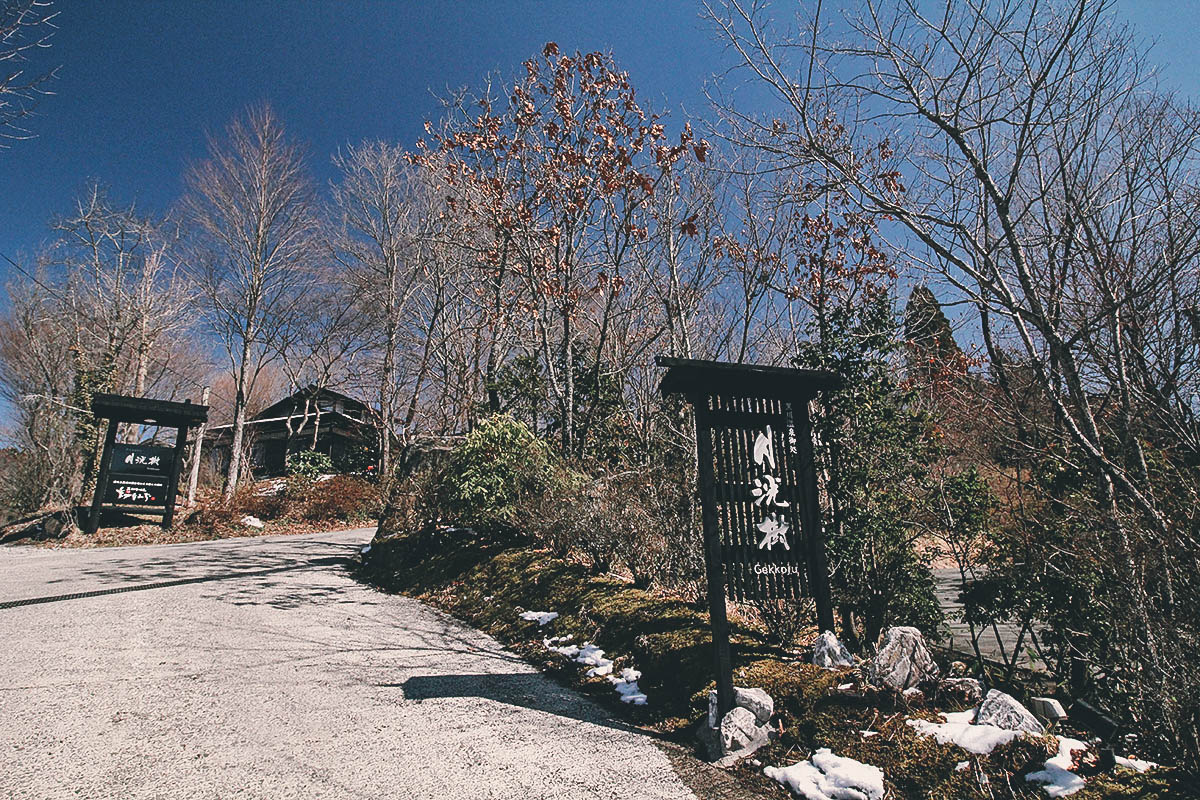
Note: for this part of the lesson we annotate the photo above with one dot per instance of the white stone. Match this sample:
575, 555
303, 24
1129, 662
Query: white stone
1047, 708
740, 731
252, 522
902, 660
830, 653
756, 701
1005, 712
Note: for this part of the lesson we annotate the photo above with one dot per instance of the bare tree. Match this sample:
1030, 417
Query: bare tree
1025, 153
385, 245
253, 211
25, 27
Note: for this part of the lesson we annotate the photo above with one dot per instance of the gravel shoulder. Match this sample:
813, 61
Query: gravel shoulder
258, 668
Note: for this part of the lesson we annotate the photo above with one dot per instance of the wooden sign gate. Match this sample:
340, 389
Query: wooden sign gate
758, 489
136, 476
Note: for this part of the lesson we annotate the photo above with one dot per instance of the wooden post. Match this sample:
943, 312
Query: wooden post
722, 655
110, 436
194, 478
814, 534
173, 481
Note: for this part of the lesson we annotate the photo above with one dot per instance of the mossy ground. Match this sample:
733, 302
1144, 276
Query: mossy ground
488, 584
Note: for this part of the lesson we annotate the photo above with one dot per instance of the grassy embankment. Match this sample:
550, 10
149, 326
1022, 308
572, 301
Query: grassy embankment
488, 584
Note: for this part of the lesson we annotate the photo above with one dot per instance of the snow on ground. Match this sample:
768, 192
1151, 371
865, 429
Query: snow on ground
1136, 763
1057, 777
959, 729
592, 656
540, 617
627, 687
825, 776
561, 645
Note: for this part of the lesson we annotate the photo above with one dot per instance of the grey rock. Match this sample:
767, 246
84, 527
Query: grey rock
1047, 708
830, 653
966, 691
756, 701
902, 660
1005, 712
740, 731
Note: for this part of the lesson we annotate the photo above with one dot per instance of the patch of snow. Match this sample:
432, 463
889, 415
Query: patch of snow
845, 686
825, 776
627, 687
252, 522
592, 656
626, 684
323, 478
559, 644
869, 734
366, 548
958, 729
1057, 778
1136, 763
540, 617
960, 766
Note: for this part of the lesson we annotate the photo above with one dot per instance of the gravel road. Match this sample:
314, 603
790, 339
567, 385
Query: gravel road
257, 668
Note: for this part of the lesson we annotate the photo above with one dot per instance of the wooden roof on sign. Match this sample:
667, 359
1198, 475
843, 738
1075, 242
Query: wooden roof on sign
145, 411
691, 376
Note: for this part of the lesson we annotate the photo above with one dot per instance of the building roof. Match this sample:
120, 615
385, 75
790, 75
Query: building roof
281, 407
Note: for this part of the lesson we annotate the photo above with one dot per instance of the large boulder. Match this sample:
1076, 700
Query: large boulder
830, 653
756, 701
741, 732
902, 660
744, 729
1005, 712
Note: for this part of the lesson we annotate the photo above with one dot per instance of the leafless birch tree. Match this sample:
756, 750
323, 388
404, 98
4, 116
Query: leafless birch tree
253, 212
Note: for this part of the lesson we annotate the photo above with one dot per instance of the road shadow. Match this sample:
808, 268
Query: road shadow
524, 690
220, 559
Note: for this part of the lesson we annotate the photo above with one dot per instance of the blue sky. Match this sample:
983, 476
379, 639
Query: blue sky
141, 82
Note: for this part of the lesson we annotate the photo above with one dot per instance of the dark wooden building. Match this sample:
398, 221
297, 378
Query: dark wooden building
310, 419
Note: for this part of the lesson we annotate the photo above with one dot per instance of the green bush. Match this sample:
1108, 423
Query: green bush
309, 464
499, 464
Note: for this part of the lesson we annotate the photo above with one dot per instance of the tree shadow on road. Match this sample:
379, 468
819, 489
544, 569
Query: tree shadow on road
524, 690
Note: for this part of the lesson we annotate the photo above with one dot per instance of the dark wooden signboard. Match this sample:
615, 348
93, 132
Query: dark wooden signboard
757, 497
758, 489
136, 475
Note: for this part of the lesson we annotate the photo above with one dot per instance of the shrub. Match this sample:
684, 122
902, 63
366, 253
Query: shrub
499, 464
629, 519
342, 497
356, 460
309, 464
267, 506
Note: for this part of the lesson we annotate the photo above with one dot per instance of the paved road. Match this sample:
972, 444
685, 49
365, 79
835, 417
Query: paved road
257, 668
